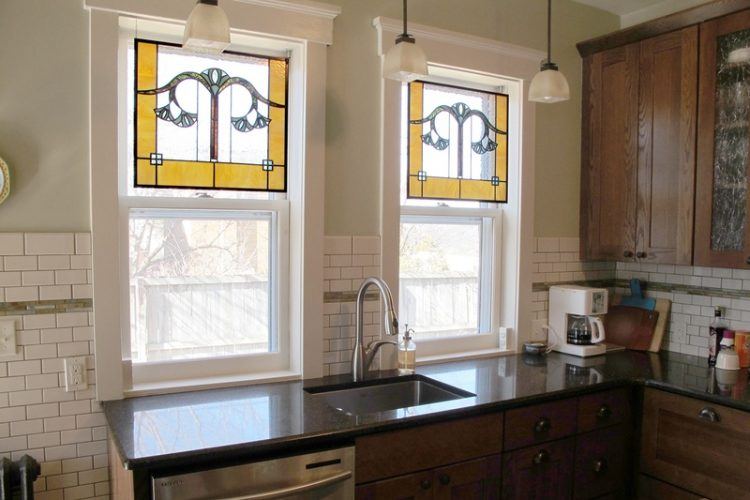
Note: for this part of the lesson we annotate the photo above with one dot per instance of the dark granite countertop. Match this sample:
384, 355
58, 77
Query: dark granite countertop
245, 422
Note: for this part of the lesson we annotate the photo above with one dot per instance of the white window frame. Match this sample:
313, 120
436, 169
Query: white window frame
479, 60
303, 30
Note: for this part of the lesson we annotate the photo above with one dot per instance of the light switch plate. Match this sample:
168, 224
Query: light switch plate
7, 338
76, 377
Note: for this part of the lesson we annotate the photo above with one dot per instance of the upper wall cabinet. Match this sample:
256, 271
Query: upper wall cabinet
722, 222
638, 150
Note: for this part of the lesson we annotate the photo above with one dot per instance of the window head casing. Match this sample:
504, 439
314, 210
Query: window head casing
209, 122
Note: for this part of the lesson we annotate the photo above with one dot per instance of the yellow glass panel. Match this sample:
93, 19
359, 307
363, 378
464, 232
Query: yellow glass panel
240, 176
145, 173
277, 127
501, 158
502, 192
146, 132
276, 179
474, 189
436, 187
416, 90
501, 112
415, 187
186, 173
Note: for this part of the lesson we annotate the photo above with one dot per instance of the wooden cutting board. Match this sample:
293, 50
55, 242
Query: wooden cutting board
630, 327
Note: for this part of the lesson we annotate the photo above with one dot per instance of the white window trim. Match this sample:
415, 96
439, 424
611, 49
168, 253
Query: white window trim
482, 57
308, 25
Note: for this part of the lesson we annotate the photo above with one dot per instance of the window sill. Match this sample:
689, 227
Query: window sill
199, 384
462, 356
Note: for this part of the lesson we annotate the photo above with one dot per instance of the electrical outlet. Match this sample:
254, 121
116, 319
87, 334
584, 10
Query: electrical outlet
75, 374
7, 337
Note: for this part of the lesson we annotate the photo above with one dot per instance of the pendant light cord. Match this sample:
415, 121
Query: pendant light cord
405, 33
549, 30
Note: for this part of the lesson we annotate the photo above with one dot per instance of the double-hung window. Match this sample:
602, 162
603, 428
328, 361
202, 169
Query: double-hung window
203, 199
454, 176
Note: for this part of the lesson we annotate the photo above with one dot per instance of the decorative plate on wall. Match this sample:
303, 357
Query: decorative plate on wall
4, 180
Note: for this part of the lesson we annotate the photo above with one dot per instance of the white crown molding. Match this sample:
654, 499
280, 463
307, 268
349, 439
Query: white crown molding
421, 31
309, 7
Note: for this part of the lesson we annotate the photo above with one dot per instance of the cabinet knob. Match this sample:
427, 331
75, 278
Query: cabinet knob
542, 425
747, 261
426, 484
444, 479
641, 255
541, 458
600, 466
604, 412
709, 414
627, 254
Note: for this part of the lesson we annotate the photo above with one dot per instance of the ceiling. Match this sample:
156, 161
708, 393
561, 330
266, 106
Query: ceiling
621, 7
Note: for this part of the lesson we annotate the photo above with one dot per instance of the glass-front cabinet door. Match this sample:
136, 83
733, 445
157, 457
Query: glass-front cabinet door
722, 221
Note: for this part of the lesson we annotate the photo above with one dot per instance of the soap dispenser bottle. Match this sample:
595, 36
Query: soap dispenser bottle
407, 351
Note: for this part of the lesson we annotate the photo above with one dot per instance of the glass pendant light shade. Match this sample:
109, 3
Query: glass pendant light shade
207, 28
549, 85
405, 62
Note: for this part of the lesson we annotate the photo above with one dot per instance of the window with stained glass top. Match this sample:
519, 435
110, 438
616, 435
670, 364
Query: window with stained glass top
457, 143
209, 122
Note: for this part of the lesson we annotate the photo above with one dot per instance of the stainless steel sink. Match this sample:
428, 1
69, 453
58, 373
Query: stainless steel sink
386, 394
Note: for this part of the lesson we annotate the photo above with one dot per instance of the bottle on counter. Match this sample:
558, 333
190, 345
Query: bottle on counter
407, 351
715, 333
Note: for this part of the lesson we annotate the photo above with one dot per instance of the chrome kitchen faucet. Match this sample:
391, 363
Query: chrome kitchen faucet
362, 356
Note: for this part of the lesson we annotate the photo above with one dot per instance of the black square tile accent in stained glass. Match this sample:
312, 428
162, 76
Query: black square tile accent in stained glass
422, 175
495, 180
156, 159
267, 165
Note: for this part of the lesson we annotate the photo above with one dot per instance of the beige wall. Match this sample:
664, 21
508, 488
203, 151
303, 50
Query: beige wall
43, 107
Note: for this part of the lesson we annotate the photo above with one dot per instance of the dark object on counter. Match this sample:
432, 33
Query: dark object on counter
630, 327
535, 348
715, 333
18, 477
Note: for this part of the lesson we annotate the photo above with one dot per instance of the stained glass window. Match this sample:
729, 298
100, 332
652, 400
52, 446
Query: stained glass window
457, 143
209, 122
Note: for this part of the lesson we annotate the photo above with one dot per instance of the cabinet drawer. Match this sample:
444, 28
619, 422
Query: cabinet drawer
702, 447
391, 454
601, 465
539, 423
544, 471
603, 409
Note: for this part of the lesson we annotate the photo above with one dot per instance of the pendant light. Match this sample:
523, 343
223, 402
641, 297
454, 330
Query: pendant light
549, 85
405, 61
207, 28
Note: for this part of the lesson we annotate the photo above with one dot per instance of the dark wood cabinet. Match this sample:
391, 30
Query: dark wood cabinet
722, 219
609, 154
701, 447
417, 486
539, 472
601, 462
638, 150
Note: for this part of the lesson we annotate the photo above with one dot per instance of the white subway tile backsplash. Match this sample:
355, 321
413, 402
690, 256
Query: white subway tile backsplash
65, 431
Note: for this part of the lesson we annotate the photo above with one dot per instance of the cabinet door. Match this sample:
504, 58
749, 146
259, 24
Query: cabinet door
418, 486
722, 226
474, 480
543, 472
601, 462
666, 147
609, 154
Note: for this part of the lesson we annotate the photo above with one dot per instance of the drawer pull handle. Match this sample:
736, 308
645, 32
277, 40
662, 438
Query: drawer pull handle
445, 479
709, 414
600, 466
627, 254
542, 425
641, 255
426, 484
604, 412
541, 458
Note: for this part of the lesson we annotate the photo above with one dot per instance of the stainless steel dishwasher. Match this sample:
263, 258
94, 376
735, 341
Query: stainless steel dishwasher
325, 475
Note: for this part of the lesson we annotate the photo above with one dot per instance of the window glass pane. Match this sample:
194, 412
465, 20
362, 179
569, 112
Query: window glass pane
439, 276
207, 121
200, 284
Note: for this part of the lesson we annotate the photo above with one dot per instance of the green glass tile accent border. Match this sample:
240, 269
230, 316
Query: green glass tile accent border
333, 297
653, 286
45, 307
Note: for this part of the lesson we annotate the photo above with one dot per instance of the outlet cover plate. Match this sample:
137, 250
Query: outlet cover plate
76, 377
7, 338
